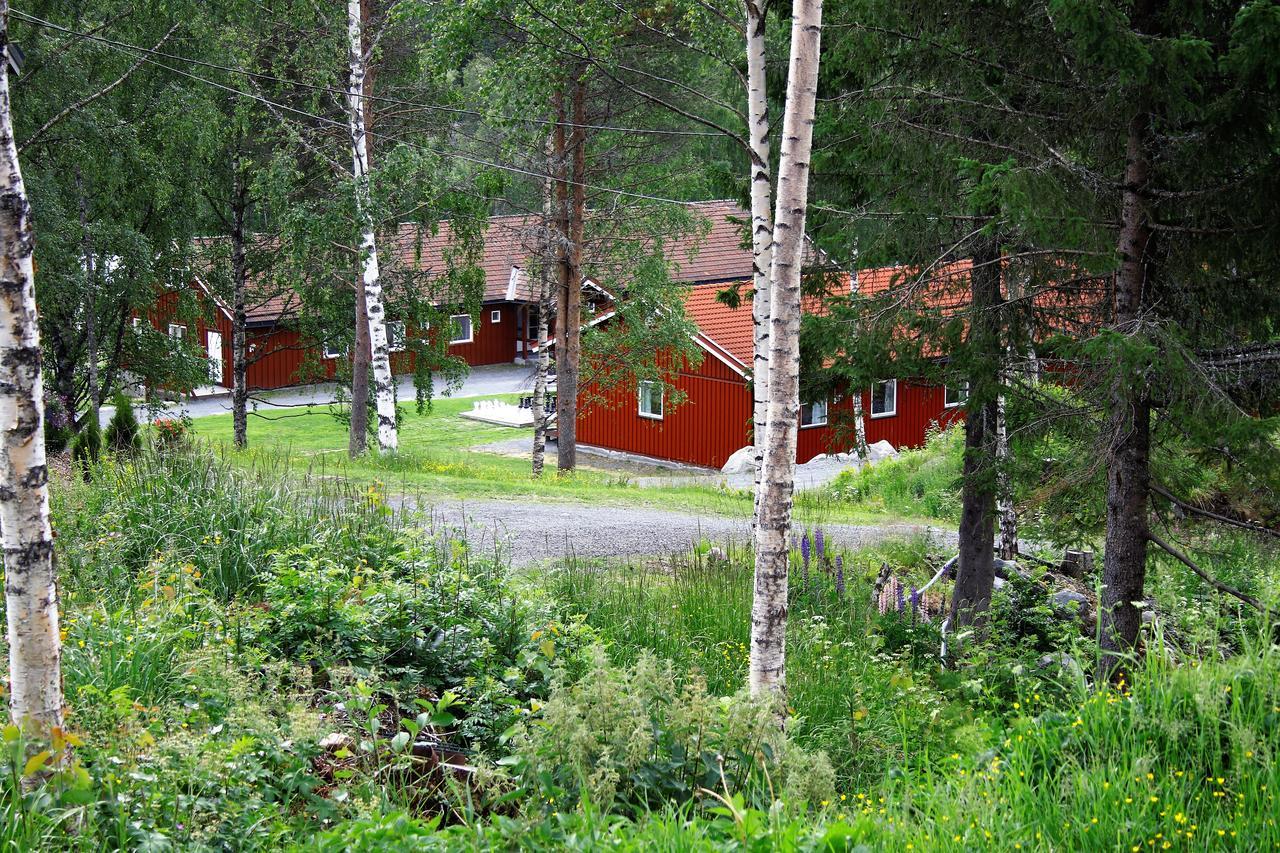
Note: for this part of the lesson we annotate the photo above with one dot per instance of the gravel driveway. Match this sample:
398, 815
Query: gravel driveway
531, 533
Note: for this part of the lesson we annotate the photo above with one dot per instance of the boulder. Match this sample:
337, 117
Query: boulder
880, 450
741, 462
1070, 602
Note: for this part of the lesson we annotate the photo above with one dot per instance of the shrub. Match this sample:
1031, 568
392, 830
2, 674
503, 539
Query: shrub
122, 431
86, 449
631, 738
171, 432
57, 423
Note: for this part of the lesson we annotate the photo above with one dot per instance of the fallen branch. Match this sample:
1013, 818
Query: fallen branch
1209, 579
1224, 519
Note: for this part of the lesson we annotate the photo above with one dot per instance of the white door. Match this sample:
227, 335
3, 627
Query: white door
215, 357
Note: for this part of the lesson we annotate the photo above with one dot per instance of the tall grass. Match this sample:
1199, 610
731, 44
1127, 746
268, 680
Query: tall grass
850, 697
193, 508
922, 482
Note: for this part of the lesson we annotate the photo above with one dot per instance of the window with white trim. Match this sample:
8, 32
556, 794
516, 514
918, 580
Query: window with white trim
460, 324
395, 336
884, 398
137, 322
955, 396
495, 316
651, 400
177, 331
813, 414
331, 352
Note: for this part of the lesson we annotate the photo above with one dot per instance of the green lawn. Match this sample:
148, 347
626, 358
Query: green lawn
435, 459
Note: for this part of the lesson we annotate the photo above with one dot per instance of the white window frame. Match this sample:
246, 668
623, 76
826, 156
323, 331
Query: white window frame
180, 329
395, 333
137, 322
888, 413
330, 352
471, 330
662, 401
963, 398
495, 316
826, 406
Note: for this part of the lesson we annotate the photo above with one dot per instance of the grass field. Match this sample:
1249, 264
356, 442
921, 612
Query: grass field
436, 459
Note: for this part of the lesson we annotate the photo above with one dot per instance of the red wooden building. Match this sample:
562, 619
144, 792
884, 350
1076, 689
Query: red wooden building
714, 419
503, 331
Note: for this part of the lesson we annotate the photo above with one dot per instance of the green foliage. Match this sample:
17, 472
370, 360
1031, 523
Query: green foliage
86, 448
633, 738
122, 430
921, 482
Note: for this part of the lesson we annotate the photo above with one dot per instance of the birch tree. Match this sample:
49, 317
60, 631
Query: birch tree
761, 220
380, 356
777, 475
30, 582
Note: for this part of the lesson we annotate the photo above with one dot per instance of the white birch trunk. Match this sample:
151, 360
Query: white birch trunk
859, 427
30, 583
380, 361
1006, 514
545, 248
761, 222
777, 478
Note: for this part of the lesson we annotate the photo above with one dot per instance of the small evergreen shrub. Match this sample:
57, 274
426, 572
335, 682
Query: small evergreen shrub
86, 449
122, 431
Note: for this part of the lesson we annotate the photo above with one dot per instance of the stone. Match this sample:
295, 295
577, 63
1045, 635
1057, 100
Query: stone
741, 462
1070, 601
336, 741
880, 450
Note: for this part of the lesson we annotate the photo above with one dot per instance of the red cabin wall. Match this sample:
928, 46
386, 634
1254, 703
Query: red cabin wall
712, 423
493, 343
715, 421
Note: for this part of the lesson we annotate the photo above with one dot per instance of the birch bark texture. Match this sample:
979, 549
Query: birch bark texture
547, 243
761, 222
30, 582
767, 672
379, 351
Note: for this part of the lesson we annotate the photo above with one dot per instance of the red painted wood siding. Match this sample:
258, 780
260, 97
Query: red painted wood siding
493, 343
715, 421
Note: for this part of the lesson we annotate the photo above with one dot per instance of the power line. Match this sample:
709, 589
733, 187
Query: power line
333, 122
40, 22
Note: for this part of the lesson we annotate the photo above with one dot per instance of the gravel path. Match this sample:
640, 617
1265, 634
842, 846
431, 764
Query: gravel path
532, 533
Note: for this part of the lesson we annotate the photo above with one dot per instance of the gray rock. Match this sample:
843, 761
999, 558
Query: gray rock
741, 462
880, 450
1068, 601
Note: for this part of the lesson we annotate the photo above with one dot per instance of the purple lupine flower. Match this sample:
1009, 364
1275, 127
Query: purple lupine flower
915, 602
902, 602
840, 575
804, 550
819, 544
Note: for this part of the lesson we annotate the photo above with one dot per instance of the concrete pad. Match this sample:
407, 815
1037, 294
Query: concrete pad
500, 413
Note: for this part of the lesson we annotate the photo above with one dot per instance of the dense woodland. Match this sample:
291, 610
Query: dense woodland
254, 630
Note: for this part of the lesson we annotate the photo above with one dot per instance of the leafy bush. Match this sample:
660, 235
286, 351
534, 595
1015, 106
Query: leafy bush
632, 738
57, 423
919, 482
122, 431
172, 432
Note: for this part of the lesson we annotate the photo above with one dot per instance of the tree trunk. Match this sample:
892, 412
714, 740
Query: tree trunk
859, 427
564, 273
546, 245
975, 569
90, 304
30, 581
568, 360
761, 223
1124, 565
1005, 509
777, 476
379, 353
239, 357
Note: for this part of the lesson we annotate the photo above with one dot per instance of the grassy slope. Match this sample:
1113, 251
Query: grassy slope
435, 459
